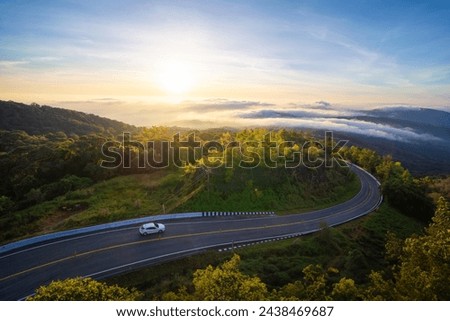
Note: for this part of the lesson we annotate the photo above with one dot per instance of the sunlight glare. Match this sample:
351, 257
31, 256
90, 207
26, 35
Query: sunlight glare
176, 77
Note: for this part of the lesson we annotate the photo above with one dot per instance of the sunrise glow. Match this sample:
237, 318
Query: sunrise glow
154, 62
175, 77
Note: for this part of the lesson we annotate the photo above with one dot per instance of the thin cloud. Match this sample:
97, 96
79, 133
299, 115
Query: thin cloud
214, 105
323, 104
299, 111
12, 63
11, 66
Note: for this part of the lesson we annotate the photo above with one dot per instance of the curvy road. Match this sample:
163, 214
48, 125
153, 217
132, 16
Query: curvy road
105, 253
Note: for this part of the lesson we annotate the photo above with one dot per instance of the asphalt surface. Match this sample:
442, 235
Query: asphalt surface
106, 253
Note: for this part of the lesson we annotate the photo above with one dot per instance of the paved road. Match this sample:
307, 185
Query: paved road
110, 252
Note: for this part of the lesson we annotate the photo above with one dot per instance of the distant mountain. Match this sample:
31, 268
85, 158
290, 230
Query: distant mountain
420, 120
36, 120
410, 115
421, 156
418, 137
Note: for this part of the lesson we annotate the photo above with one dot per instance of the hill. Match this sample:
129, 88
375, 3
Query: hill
38, 120
418, 137
54, 182
420, 156
425, 118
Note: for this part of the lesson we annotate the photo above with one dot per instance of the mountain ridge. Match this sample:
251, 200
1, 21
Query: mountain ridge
420, 115
38, 120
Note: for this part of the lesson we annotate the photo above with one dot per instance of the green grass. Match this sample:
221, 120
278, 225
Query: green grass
340, 194
124, 197
271, 190
172, 191
133, 196
119, 198
354, 248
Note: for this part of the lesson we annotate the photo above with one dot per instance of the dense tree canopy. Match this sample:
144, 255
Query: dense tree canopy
83, 289
423, 268
223, 283
401, 189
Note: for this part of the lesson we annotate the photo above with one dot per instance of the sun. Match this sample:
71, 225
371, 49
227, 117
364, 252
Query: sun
176, 77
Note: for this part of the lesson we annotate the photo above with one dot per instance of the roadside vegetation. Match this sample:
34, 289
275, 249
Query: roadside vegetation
52, 180
383, 256
352, 250
83, 289
333, 264
282, 190
119, 198
410, 195
417, 269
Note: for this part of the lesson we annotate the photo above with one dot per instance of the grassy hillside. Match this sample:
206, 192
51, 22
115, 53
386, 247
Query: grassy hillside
282, 190
173, 190
119, 198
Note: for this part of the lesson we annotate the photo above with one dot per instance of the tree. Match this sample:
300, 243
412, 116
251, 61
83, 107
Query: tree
223, 283
312, 287
226, 282
345, 290
315, 283
83, 289
378, 289
6, 204
402, 191
422, 264
424, 268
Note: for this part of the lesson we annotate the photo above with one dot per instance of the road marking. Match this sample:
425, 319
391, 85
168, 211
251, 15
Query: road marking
366, 200
68, 239
181, 223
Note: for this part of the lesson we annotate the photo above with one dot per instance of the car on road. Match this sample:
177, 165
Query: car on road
152, 228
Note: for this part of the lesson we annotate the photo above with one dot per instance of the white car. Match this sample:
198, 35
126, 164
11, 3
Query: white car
152, 228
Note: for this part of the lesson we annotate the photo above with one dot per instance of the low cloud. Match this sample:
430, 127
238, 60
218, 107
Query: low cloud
323, 104
233, 113
300, 111
212, 105
349, 125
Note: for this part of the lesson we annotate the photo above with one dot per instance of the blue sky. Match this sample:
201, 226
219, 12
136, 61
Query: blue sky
139, 60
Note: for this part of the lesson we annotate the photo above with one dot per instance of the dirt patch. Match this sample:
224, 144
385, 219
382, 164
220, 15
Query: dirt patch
49, 223
150, 180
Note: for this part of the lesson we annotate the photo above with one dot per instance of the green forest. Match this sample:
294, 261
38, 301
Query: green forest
52, 180
55, 181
